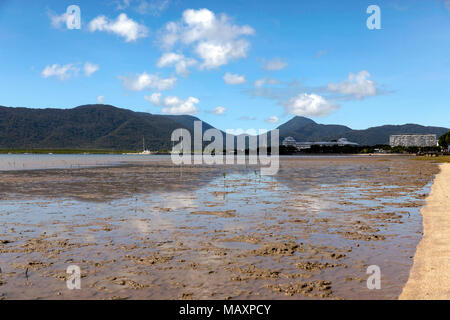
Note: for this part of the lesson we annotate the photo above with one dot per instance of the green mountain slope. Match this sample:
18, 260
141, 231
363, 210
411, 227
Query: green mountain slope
84, 127
108, 127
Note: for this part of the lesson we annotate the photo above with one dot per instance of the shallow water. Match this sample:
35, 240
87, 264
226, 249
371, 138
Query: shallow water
154, 230
12, 162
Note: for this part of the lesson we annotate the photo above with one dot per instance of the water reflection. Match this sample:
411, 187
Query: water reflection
219, 216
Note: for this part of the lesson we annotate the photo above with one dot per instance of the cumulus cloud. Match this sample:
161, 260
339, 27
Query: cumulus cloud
215, 39
215, 55
154, 98
180, 62
357, 85
309, 105
233, 79
90, 68
263, 81
122, 26
62, 72
272, 119
274, 64
59, 21
101, 99
219, 110
145, 81
66, 71
174, 105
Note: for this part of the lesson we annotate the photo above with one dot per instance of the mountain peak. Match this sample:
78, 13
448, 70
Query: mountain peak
299, 120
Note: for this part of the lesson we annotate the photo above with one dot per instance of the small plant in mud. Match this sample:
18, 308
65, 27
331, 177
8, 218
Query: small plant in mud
256, 179
136, 199
224, 181
225, 186
258, 176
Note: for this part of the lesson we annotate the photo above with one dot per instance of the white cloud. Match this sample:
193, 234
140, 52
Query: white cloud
154, 98
263, 81
447, 4
219, 110
66, 71
174, 105
357, 85
90, 68
275, 64
122, 26
215, 54
101, 99
145, 81
215, 39
58, 21
180, 62
311, 105
62, 72
272, 119
233, 79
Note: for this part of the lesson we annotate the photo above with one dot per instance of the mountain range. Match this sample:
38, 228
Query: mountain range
304, 129
108, 127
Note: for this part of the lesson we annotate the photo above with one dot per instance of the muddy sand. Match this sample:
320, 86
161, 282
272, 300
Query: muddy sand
430, 274
157, 231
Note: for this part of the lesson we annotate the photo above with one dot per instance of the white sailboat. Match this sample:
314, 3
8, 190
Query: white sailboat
144, 151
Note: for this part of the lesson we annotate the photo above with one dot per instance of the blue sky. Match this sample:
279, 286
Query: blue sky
235, 64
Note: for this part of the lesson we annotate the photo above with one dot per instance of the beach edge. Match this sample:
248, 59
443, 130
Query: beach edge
429, 277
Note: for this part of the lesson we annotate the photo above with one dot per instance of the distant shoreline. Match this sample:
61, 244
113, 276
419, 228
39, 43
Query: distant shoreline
62, 151
134, 152
430, 275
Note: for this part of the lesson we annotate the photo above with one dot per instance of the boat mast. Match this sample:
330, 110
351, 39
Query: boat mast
143, 143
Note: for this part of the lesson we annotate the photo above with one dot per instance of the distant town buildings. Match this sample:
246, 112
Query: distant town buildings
413, 140
291, 142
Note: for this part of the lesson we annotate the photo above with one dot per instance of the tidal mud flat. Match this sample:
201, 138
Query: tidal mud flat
152, 230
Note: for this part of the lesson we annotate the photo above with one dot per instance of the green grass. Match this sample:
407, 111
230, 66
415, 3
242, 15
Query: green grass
440, 159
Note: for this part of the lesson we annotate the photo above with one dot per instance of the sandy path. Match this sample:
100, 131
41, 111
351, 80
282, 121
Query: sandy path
430, 274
